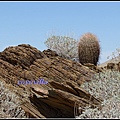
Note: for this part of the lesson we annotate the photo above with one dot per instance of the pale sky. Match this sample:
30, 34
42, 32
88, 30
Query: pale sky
33, 22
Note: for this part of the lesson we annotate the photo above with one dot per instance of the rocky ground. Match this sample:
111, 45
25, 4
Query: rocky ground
114, 60
60, 91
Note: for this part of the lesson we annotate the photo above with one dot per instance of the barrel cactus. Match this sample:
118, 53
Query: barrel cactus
88, 49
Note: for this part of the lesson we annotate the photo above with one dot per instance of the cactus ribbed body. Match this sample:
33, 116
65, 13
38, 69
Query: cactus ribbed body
88, 49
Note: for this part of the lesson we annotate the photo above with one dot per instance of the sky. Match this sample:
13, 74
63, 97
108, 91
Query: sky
33, 22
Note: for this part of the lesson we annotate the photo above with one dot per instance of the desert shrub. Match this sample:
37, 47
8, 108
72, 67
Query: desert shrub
10, 103
105, 86
115, 55
65, 46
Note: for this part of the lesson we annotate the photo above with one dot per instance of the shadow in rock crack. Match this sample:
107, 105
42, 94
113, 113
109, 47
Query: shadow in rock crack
50, 111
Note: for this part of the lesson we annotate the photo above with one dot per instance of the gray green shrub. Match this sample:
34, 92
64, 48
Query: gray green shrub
107, 87
65, 46
10, 103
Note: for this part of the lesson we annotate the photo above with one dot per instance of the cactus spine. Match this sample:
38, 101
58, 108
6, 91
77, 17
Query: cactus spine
88, 49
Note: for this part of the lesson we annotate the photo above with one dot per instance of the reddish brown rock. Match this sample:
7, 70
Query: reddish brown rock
55, 99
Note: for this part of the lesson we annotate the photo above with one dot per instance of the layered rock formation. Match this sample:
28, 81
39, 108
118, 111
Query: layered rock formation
57, 98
